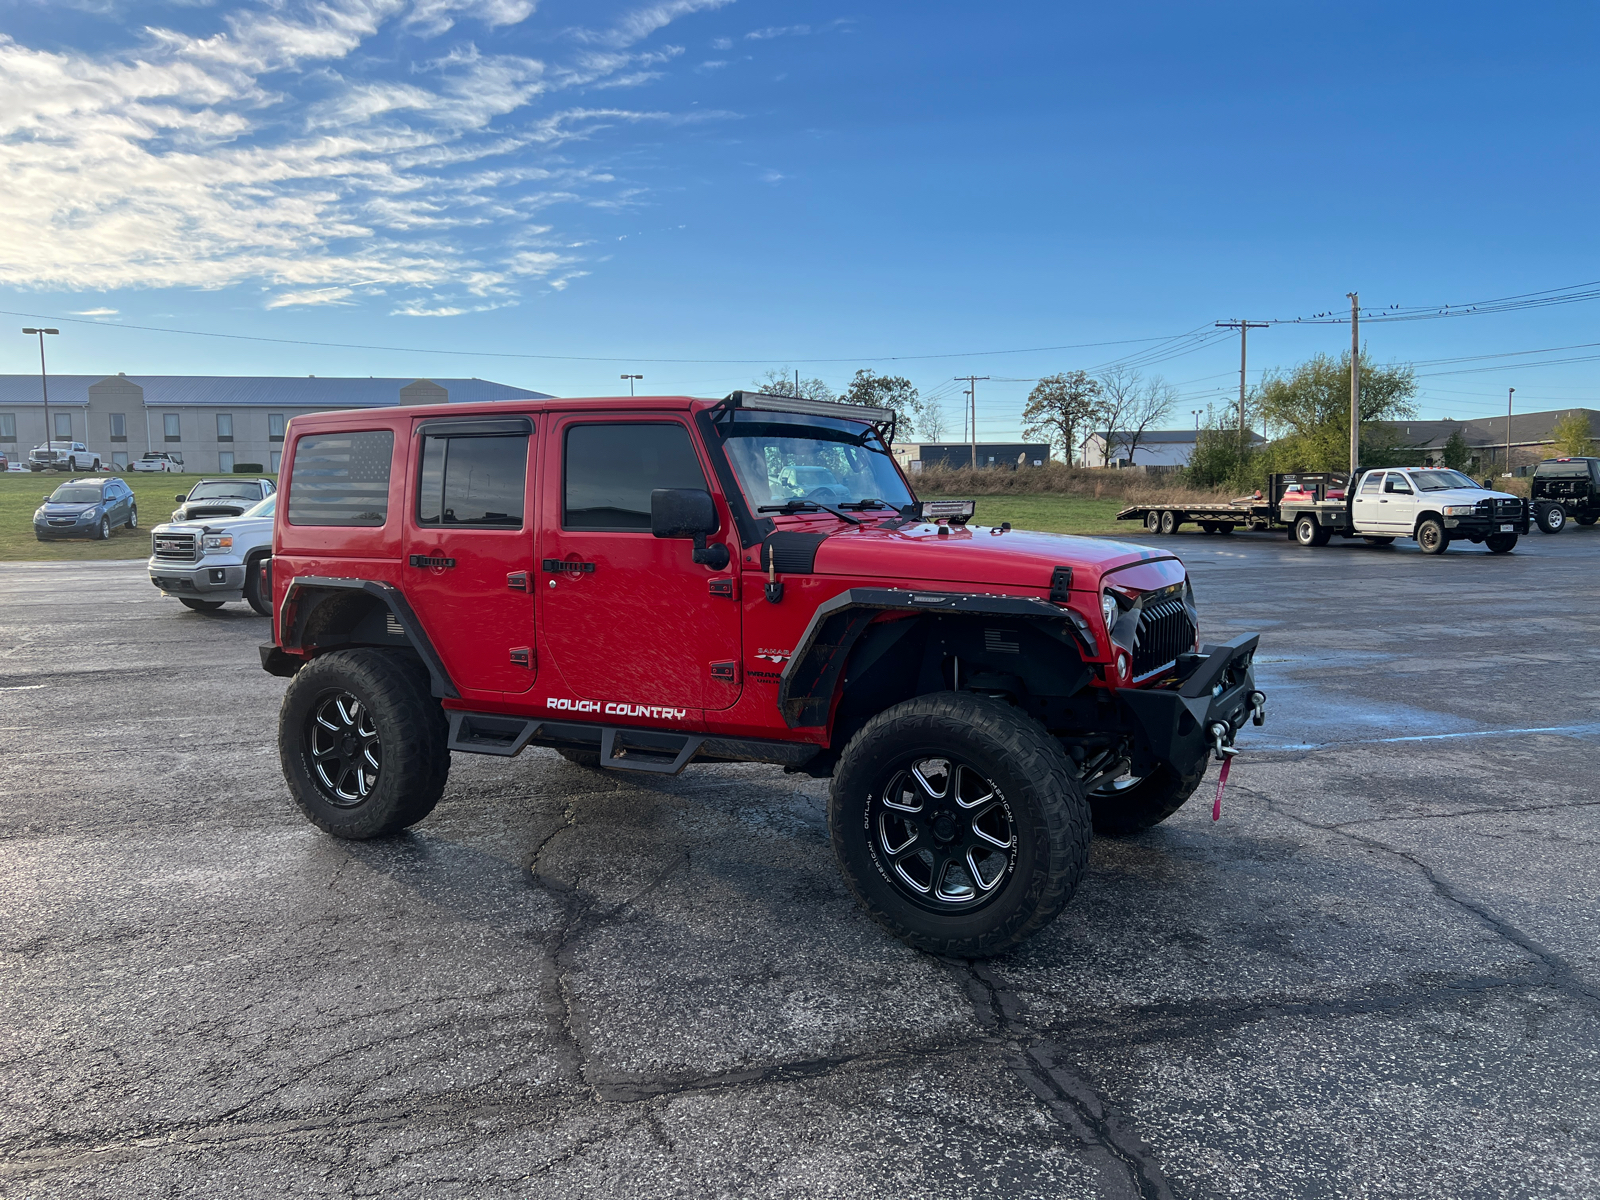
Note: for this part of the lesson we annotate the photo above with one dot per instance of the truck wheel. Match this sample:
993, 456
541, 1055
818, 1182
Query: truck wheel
1170, 522
1128, 806
1587, 520
582, 758
1308, 533
252, 587
1152, 522
1552, 518
1501, 543
1378, 541
199, 605
957, 824
1431, 537
364, 745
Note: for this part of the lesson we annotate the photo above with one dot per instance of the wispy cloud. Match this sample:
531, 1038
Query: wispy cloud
777, 31
276, 149
95, 312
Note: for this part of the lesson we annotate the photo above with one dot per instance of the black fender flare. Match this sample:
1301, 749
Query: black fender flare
810, 678
307, 592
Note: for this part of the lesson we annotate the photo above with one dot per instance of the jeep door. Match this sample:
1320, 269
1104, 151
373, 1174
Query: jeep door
627, 617
469, 549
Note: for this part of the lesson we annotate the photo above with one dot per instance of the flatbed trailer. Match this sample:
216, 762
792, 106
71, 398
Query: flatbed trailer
1288, 496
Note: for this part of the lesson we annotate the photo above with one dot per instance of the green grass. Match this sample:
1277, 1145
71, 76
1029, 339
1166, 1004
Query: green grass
1053, 514
21, 493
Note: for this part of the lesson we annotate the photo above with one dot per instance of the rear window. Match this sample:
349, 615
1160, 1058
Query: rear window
1577, 469
341, 479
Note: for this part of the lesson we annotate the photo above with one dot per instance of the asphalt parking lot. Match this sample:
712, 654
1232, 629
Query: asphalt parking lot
1378, 975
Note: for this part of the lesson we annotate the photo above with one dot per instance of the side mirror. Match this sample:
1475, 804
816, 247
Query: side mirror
180, 497
690, 513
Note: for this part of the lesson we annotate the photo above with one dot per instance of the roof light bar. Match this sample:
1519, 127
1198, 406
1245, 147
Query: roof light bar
957, 512
766, 402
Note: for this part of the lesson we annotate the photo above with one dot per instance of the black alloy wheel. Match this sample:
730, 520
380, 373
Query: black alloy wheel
1134, 803
1431, 536
346, 754
942, 834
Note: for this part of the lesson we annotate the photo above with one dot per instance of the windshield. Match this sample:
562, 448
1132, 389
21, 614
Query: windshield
221, 489
66, 494
786, 457
266, 508
1439, 481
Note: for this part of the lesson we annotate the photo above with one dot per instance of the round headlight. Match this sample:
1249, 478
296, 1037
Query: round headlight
1109, 610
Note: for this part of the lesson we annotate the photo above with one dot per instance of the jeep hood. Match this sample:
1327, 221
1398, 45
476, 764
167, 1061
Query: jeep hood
975, 556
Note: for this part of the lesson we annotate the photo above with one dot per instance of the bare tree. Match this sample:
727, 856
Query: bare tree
932, 421
1120, 388
782, 383
1150, 406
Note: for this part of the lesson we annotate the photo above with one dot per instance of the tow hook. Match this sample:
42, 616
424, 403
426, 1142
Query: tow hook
1221, 742
1258, 708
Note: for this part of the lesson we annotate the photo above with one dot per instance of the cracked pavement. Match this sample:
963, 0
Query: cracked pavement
1378, 975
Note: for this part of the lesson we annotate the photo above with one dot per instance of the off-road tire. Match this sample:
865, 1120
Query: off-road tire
1378, 541
252, 587
1308, 532
1152, 522
1431, 536
1150, 801
199, 605
582, 758
1024, 768
412, 739
133, 517
1500, 543
1551, 518
1171, 522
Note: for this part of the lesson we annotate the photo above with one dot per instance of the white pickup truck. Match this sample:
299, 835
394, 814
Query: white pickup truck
1434, 505
63, 456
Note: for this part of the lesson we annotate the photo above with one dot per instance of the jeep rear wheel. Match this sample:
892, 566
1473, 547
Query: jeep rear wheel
957, 824
364, 744
1133, 803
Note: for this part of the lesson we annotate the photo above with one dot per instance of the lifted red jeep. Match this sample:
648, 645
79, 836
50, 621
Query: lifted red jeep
642, 584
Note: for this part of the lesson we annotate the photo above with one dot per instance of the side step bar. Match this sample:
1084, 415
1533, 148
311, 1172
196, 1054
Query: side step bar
661, 751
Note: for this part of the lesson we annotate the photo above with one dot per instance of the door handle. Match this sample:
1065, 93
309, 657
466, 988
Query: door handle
431, 560
517, 581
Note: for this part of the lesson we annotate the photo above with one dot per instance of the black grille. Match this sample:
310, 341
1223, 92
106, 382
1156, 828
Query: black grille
1165, 632
173, 547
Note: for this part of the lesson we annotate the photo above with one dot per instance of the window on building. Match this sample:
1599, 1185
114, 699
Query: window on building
473, 480
63, 422
119, 458
610, 471
275, 427
119, 427
341, 479
169, 425
277, 457
224, 427
225, 462
8, 427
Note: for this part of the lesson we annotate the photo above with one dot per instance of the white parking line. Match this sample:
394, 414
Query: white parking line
1578, 730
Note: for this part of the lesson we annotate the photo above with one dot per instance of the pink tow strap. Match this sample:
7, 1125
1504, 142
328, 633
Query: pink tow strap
1222, 782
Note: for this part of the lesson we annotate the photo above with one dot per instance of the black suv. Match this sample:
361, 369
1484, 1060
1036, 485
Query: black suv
1566, 487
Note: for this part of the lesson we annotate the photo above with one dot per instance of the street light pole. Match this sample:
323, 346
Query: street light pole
1510, 392
44, 384
630, 379
1195, 412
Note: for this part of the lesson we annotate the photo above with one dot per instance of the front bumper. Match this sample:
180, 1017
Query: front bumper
1479, 526
208, 580
1180, 725
81, 529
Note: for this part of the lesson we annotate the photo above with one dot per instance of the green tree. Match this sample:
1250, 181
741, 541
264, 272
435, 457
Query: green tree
1456, 453
1572, 436
888, 391
1058, 407
1223, 457
782, 383
1312, 405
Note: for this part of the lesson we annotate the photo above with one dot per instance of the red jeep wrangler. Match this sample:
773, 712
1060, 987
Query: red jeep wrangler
641, 584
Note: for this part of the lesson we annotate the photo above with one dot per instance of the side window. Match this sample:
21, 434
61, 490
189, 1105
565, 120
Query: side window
341, 479
1372, 483
1398, 484
610, 470
473, 480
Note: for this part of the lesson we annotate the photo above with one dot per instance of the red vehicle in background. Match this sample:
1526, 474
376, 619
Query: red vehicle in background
645, 583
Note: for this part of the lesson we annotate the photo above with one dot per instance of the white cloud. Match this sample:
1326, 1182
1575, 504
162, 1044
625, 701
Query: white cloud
722, 43
95, 312
778, 31
772, 177
273, 151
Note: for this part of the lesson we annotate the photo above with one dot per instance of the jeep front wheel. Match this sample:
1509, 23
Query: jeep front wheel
1135, 803
363, 743
957, 824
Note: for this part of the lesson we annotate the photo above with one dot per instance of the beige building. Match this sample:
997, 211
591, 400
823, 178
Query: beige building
214, 422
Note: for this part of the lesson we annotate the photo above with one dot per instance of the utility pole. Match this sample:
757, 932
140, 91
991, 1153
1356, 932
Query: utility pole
1510, 392
1355, 384
1244, 328
630, 379
972, 399
44, 385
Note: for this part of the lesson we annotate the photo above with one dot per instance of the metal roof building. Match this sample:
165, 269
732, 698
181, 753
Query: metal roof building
212, 421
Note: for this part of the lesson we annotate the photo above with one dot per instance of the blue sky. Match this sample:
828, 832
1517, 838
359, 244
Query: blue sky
790, 184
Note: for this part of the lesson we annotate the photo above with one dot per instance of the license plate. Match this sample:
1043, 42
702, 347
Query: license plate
1505, 528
